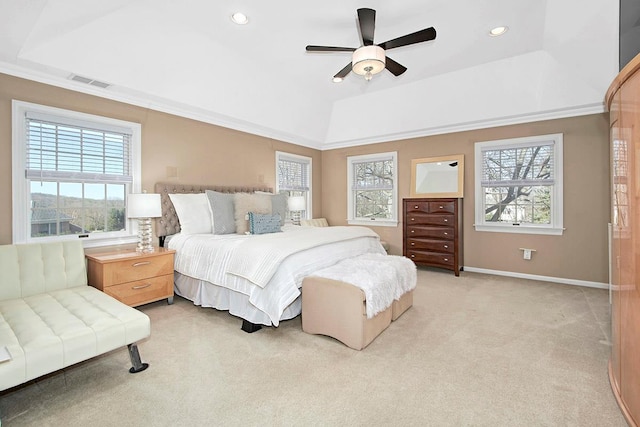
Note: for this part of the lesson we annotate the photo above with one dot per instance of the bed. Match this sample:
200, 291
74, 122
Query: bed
256, 277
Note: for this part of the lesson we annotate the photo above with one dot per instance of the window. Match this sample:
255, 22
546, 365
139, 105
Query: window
372, 189
519, 185
293, 174
71, 174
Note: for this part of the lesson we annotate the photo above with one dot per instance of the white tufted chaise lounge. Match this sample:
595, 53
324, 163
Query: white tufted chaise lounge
50, 318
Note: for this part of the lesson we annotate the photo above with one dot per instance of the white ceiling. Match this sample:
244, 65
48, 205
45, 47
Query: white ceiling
557, 60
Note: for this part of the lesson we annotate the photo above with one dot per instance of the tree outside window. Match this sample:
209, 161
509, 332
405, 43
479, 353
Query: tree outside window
520, 184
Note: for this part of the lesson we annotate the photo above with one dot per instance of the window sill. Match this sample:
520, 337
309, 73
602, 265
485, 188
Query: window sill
89, 242
373, 222
519, 229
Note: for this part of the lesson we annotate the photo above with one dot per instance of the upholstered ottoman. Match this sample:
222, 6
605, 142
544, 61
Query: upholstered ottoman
337, 309
401, 305
356, 299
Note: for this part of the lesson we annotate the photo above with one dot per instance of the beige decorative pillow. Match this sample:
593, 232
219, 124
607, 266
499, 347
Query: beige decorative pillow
245, 203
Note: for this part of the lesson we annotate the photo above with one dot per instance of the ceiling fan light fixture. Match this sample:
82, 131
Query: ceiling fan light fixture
368, 60
337, 79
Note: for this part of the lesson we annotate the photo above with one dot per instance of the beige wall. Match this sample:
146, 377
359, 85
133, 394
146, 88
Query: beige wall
202, 153
580, 254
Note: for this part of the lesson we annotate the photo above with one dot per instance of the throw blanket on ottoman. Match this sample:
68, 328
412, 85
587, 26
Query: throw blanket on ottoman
383, 278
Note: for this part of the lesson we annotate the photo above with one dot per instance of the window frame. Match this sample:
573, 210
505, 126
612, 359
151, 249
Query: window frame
556, 226
21, 225
282, 155
351, 219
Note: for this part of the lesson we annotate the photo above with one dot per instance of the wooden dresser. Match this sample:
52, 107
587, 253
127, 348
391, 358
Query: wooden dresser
432, 234
133, 278
623, 100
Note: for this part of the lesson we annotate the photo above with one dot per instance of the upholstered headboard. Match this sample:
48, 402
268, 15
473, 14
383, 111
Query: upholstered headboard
168, 223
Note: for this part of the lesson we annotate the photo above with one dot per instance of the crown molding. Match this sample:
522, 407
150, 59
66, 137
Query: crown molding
161, 105
166, 106
581, 110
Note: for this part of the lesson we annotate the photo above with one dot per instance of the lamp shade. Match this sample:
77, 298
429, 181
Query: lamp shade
368, 59
144, 205
297, 203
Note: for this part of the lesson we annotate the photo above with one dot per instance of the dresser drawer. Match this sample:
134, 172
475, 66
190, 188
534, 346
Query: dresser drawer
446, 233
415, 206
445, 206
431, 258
430, 219
445, 246
142, 291
137, 269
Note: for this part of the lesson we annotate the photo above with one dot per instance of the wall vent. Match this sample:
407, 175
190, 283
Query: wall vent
86, 80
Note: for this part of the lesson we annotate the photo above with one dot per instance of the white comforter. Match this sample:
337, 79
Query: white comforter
269, 268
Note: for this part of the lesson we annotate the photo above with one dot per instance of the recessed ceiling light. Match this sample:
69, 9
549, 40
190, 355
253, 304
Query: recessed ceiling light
239, 18
337, 79
498, 31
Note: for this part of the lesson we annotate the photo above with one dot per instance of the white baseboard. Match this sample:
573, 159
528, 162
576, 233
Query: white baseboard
541, 278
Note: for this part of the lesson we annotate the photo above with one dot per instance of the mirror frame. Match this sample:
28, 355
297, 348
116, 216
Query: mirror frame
455, 157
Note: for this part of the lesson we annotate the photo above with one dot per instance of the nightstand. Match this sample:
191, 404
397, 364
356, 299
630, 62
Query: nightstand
131, 277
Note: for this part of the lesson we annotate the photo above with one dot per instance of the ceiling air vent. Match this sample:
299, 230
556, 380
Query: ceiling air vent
86, 80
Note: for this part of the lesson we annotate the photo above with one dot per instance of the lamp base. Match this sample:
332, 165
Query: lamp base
145, 236
295, 217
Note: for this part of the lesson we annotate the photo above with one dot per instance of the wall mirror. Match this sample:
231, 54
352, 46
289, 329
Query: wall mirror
438, 176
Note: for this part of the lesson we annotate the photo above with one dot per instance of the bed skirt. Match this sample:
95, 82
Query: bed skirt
206, 294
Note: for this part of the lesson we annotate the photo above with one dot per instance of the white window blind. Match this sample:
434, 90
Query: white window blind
293, 174
64, 151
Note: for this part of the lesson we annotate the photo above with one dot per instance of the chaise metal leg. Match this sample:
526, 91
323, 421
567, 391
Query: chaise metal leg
137, 365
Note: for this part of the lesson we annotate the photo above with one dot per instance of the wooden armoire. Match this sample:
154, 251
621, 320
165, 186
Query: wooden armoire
623, 101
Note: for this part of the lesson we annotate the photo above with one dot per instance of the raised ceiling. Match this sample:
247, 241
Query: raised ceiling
189, 58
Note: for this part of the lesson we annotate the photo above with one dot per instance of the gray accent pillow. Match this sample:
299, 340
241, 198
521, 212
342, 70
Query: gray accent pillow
222, 210
264, 223
279, 206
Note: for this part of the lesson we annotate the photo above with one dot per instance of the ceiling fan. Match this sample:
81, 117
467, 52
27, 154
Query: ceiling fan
370, 59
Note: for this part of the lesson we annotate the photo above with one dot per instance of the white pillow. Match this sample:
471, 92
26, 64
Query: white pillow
193, 212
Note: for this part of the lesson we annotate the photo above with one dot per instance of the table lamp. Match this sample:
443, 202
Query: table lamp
296, 205
143, 207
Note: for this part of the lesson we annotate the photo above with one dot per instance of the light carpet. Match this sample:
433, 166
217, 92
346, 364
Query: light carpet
474, 350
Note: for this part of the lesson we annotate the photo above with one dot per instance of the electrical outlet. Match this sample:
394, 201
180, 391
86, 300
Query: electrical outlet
527, 254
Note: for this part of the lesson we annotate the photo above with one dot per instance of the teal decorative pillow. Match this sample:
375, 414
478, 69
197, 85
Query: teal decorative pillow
264, 223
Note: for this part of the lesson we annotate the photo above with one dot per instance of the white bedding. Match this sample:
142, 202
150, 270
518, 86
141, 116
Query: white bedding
208, 257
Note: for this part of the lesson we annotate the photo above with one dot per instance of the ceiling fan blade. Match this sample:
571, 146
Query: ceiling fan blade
417, 37
312, 48
343, 73
395, 68
367, 19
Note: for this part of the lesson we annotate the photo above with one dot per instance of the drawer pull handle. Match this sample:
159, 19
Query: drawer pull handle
446, 259
445, 233
139, 264
146, 285
441, 207
413, 231
413, 256
446, 246
446, 220
412, 243
415, 207
413, 219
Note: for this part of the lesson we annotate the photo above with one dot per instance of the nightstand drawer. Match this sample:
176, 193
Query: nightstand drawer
137, 269
142, 291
